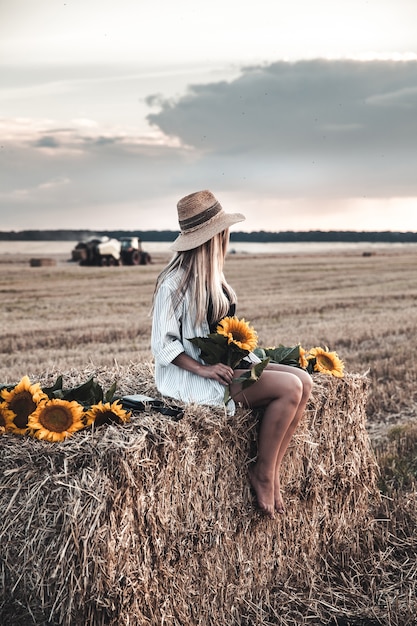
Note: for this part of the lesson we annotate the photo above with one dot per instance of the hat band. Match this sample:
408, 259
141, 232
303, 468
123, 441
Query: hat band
192, 223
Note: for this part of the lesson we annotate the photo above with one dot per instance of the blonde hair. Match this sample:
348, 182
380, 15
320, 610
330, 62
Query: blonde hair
202, 275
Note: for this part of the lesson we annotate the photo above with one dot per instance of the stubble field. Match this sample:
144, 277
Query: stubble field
365, 307
67, 318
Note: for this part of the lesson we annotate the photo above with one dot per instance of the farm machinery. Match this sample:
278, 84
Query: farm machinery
105, 250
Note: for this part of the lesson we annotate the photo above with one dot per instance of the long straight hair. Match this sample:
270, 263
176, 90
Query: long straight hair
202, 275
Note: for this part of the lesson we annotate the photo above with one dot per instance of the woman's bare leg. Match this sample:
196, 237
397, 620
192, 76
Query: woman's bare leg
280, 393
307, 382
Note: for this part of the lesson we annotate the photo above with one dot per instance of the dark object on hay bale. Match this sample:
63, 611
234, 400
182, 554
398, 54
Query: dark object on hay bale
154, 522
43, 262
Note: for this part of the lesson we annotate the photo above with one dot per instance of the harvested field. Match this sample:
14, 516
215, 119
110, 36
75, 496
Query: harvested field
154, 522
364, 307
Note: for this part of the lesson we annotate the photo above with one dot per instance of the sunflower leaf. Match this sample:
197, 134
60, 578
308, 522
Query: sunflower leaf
87, 393
235, 355
59, 394
213, 348
251, 376
7, 387
56, 387
110, 393
282, 354
310, 366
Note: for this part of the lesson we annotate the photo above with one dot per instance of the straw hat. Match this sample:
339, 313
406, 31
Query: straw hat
200, 217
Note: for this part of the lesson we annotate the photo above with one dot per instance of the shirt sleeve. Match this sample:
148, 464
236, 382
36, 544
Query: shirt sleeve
166, 340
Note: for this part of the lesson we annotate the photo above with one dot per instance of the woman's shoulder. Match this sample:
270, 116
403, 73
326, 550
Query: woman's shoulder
172, 279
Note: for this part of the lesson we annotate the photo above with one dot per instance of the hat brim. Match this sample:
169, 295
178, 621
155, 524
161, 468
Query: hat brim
195, 238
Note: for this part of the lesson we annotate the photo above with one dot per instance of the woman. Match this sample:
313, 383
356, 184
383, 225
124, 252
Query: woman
191, 297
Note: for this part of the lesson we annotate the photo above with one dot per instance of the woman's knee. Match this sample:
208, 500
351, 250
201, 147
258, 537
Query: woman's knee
304, 376
306, 381
295, 390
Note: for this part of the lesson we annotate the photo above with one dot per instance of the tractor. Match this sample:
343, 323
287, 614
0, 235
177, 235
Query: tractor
104, 250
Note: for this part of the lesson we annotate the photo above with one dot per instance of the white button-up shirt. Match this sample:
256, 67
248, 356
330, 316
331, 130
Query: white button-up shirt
171, 330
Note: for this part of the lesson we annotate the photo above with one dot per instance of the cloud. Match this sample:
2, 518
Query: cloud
405, 98
46, 142
64, 177
346, 127
292, 145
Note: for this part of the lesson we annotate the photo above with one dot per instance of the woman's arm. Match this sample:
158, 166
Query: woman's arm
220, 372
167, 345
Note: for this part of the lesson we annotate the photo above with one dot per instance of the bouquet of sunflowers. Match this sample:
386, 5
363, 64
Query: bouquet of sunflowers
54, 413
233, 340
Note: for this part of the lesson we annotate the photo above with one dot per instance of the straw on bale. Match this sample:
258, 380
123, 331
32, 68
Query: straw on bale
154, 522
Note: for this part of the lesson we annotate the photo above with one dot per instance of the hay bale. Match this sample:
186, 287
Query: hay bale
154, 522
43, 262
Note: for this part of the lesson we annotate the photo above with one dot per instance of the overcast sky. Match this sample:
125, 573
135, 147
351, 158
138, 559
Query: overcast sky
301, 115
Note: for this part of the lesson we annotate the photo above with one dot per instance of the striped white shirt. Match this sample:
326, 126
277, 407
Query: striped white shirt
171, 330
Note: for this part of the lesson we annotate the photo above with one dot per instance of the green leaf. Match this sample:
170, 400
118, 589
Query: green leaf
110, 393
310, 366
258, 368
286, 355
58, 394
227, 397
260, 352
213, 348
7, 387
51, 392
87, 394
251, 376
235, 355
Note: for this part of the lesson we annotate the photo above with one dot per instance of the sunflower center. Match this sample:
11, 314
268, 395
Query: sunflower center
240, 336
325, 361
22, 405
56, 418
107, 417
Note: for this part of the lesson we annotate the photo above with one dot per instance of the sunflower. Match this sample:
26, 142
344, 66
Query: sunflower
3, 420
326, 362
238, 332
302, 359
108, 413
55, 420
20, 402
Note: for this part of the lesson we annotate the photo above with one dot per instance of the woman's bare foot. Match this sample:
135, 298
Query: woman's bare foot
264, 490
279, 502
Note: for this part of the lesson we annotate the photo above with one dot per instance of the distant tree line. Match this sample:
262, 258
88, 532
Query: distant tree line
259, 236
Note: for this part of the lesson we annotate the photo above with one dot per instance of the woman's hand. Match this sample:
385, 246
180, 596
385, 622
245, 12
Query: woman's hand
220, 372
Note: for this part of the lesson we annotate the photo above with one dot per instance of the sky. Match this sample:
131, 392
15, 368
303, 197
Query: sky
302, 115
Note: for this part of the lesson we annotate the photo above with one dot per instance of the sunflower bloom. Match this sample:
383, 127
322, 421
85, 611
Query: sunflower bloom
3, 420
302, 359
56, 419
20, 403
238, 332
327, 362
108, 413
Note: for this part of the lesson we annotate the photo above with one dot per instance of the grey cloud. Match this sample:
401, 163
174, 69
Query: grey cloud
349, 127
308, 130
47, 141
103, 170
101, 141
402, 98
